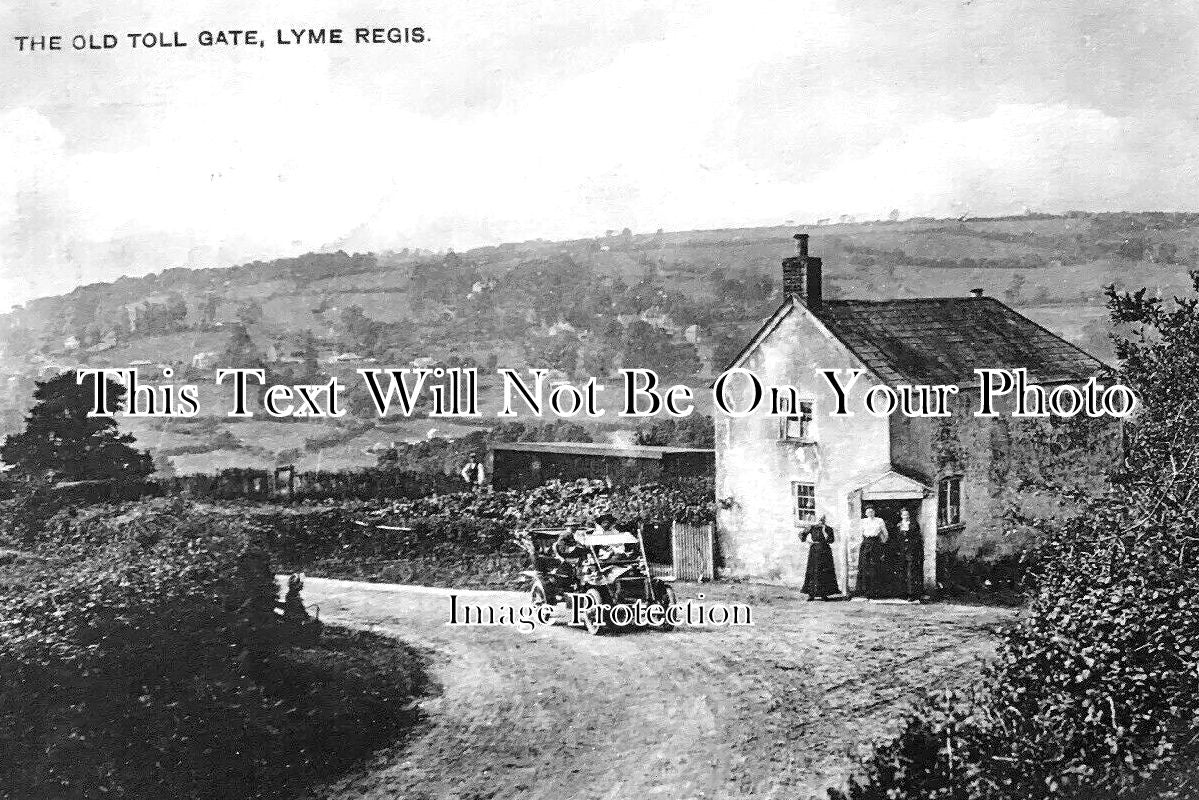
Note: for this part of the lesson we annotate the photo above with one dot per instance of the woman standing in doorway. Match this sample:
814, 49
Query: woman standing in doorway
872, 576
912, 555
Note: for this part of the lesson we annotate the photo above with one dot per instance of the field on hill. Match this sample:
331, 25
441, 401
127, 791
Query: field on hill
679, 302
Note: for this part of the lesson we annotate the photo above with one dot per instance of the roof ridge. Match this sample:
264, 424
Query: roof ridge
847, 300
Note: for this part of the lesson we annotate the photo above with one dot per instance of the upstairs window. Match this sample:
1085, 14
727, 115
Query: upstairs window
797, 427
805, 502
949, 501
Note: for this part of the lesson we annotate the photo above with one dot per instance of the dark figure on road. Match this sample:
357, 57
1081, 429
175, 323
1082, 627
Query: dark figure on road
293, 603
820, 578
872, 566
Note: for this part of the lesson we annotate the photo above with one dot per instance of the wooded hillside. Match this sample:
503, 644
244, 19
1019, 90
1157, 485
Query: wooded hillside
682, 303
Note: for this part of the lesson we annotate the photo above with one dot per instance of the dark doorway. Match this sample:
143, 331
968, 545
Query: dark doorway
895, 559
656, 536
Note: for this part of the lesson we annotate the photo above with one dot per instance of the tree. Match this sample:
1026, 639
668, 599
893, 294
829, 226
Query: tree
312, 367
597, 356
176, 311
388, 458
559, 351
358, 332
726, 350
1015, 290
250, 313
1167, 253
648, 347
1133, 249
208, 308
696, 430
240, 352
164, 467
61, 442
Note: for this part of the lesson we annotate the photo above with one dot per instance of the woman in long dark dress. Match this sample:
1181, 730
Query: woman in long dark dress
872, 577
908, 533
820, 578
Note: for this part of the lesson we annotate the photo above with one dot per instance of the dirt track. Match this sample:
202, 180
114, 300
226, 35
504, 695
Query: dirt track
769, 711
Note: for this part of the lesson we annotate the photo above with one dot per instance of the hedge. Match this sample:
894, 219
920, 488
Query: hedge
143, 659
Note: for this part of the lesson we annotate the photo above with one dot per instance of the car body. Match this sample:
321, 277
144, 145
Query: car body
611, 570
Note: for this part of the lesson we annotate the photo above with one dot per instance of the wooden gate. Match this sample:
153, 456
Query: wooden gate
692, 547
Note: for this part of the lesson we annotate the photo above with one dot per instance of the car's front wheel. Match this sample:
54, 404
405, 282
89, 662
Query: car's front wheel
593, 618
538, 596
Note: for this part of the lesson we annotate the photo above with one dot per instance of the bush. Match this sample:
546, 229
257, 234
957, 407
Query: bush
1093, 691
143, 659
999, 580
457, 539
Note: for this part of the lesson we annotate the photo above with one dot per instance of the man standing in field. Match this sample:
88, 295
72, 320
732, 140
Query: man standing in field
474, 474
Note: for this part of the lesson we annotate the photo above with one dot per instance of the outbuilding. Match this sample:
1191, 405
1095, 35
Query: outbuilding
527, 464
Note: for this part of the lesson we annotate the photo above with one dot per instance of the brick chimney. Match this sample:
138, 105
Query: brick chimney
801, 274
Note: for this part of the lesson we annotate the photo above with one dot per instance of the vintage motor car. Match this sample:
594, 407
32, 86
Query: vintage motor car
610, 569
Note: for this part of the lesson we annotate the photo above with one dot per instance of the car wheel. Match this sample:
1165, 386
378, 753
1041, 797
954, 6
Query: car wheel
537, 596
595, 625
667, 598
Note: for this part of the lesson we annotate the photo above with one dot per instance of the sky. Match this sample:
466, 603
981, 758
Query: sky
520, 119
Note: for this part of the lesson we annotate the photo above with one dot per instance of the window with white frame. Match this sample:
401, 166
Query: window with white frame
797, 426
805, 501
949, 501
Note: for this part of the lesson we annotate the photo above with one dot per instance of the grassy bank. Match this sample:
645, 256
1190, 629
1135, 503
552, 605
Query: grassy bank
142, 657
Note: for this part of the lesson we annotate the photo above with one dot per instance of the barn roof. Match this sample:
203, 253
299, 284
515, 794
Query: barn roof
943, 340
598, 449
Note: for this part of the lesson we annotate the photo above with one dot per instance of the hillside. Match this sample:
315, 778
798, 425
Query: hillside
679, 302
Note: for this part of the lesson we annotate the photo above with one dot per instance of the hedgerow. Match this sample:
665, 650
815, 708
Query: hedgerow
565, 502
461, 538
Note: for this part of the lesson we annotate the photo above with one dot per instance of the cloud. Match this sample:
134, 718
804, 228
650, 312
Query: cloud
528, 118
1045, 157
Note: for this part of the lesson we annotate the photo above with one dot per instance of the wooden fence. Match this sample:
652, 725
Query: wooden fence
693, 550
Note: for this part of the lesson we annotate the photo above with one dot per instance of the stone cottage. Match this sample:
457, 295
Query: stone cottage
777, 474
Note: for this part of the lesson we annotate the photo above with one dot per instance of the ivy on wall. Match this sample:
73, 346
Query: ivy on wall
948, 454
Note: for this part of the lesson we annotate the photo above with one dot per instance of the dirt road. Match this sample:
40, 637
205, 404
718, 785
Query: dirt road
768, 711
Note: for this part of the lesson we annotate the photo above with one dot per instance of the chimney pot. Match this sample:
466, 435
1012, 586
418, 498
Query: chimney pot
802, 274
976, 292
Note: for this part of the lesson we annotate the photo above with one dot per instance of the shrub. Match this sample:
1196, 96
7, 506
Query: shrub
457, 539
986, 578
143, 659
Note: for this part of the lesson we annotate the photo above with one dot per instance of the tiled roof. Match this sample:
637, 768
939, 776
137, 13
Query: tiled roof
943, 340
